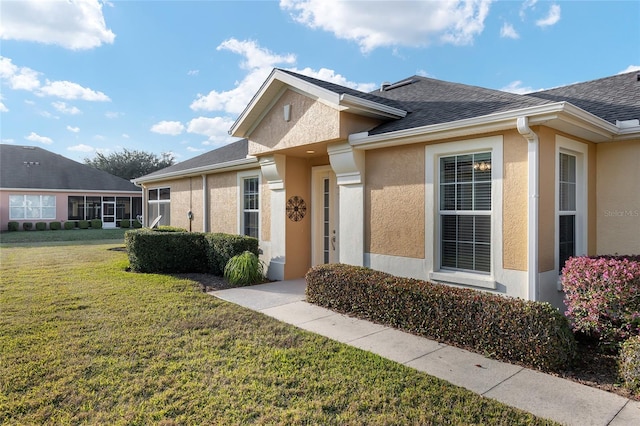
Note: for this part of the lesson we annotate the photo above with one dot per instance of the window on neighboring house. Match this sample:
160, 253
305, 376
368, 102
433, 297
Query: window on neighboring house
159, 204
567, 207
250, 200
465, 212
23, 207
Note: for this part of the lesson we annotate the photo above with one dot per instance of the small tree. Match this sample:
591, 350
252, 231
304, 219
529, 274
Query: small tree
130, 164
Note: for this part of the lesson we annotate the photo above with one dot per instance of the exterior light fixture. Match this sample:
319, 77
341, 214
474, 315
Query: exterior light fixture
482, 166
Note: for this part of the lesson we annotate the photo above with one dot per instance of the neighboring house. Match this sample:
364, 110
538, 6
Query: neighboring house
37, 185
422, 178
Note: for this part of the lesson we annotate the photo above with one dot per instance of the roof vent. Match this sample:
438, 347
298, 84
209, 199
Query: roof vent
385, 85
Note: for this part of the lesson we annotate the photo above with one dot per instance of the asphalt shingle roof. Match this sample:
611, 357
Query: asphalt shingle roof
234, 151
31, 167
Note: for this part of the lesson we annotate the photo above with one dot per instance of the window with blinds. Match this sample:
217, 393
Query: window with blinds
250, 206
465, 212
567, 201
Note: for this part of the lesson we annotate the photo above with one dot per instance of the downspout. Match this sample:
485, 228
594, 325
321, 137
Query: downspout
205, 204
533, 209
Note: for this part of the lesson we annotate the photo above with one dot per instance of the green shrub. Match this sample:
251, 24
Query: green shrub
41, 226
244, 269
96, 224
167, 228
55, 226
168, 252
27, 226
70, 225
222, 247
533, 333
125, 223
83, 224
13, 226
629, 363
136, 223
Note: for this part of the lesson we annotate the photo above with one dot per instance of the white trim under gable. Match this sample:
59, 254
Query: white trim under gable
495, 280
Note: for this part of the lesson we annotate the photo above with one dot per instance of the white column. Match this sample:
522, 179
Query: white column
205, 204
348, 165
273, 170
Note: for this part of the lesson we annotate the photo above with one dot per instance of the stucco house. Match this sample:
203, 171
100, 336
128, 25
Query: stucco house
422, 178
37, 185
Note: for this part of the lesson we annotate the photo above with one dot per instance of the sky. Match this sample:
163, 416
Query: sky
84, 77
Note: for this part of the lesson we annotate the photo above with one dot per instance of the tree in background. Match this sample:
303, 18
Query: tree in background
130, 164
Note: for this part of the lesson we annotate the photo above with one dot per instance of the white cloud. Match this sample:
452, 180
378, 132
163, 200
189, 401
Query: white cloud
259, 62
74, 25
552, 17
630, 68
8, 140
507, 31
215, 128
71, 91
380, 24
3, 107
517, 87
527, 4
192, 149
193, 72
125, 136
73, 129
168, 128
34, 137
19, 78
81, 148
65, 109
112, 114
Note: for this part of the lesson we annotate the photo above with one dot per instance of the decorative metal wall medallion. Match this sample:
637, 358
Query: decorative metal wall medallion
296, 208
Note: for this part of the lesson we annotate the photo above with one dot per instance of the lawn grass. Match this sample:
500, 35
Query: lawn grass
84, 341
20, 237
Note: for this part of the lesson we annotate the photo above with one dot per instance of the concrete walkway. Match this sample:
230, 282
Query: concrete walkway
544, 395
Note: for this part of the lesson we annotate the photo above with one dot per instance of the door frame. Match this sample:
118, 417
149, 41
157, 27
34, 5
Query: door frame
105, 224
318, 176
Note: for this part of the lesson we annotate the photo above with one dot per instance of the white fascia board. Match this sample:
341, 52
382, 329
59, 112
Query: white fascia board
371, 108
245, 163
538, 115
78, 191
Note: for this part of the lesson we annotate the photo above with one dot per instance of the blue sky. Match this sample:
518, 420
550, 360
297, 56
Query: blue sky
80, 77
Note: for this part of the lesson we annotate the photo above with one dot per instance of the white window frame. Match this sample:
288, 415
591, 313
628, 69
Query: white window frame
242, 176
40, 206
581, 152
493, 144
157, 202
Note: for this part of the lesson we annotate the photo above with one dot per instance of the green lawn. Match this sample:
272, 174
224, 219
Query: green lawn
61, 235
84, 341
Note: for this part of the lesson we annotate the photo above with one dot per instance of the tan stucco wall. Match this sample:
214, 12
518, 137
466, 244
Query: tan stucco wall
223, 202
298, 234
515, 201
311, 121
186, 195
618, 197
394, 201
546, 203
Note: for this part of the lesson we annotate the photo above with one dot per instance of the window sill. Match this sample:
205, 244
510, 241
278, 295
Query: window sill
464, 278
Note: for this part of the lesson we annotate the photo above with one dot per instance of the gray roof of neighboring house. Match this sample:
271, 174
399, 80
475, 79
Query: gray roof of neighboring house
30, 167
234, 151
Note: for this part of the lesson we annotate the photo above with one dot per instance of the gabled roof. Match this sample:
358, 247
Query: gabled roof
232, 155
30, 167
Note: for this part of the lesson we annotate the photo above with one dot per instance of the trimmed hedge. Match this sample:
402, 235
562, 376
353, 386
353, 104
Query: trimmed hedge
27, 226
125, 223
83, 224
70, 225
136, 223
96, 224
55, 226
168, 252
41, 226
602, 295
533, 333
222, 247
13, 226
629, 364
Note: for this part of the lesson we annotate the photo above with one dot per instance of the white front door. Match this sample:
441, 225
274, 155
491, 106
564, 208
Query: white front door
108, 214
324, 216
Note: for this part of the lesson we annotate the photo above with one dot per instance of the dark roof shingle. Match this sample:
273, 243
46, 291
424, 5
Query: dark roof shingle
30, 167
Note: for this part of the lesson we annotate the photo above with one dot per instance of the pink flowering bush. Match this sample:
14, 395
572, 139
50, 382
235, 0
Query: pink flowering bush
602, 295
